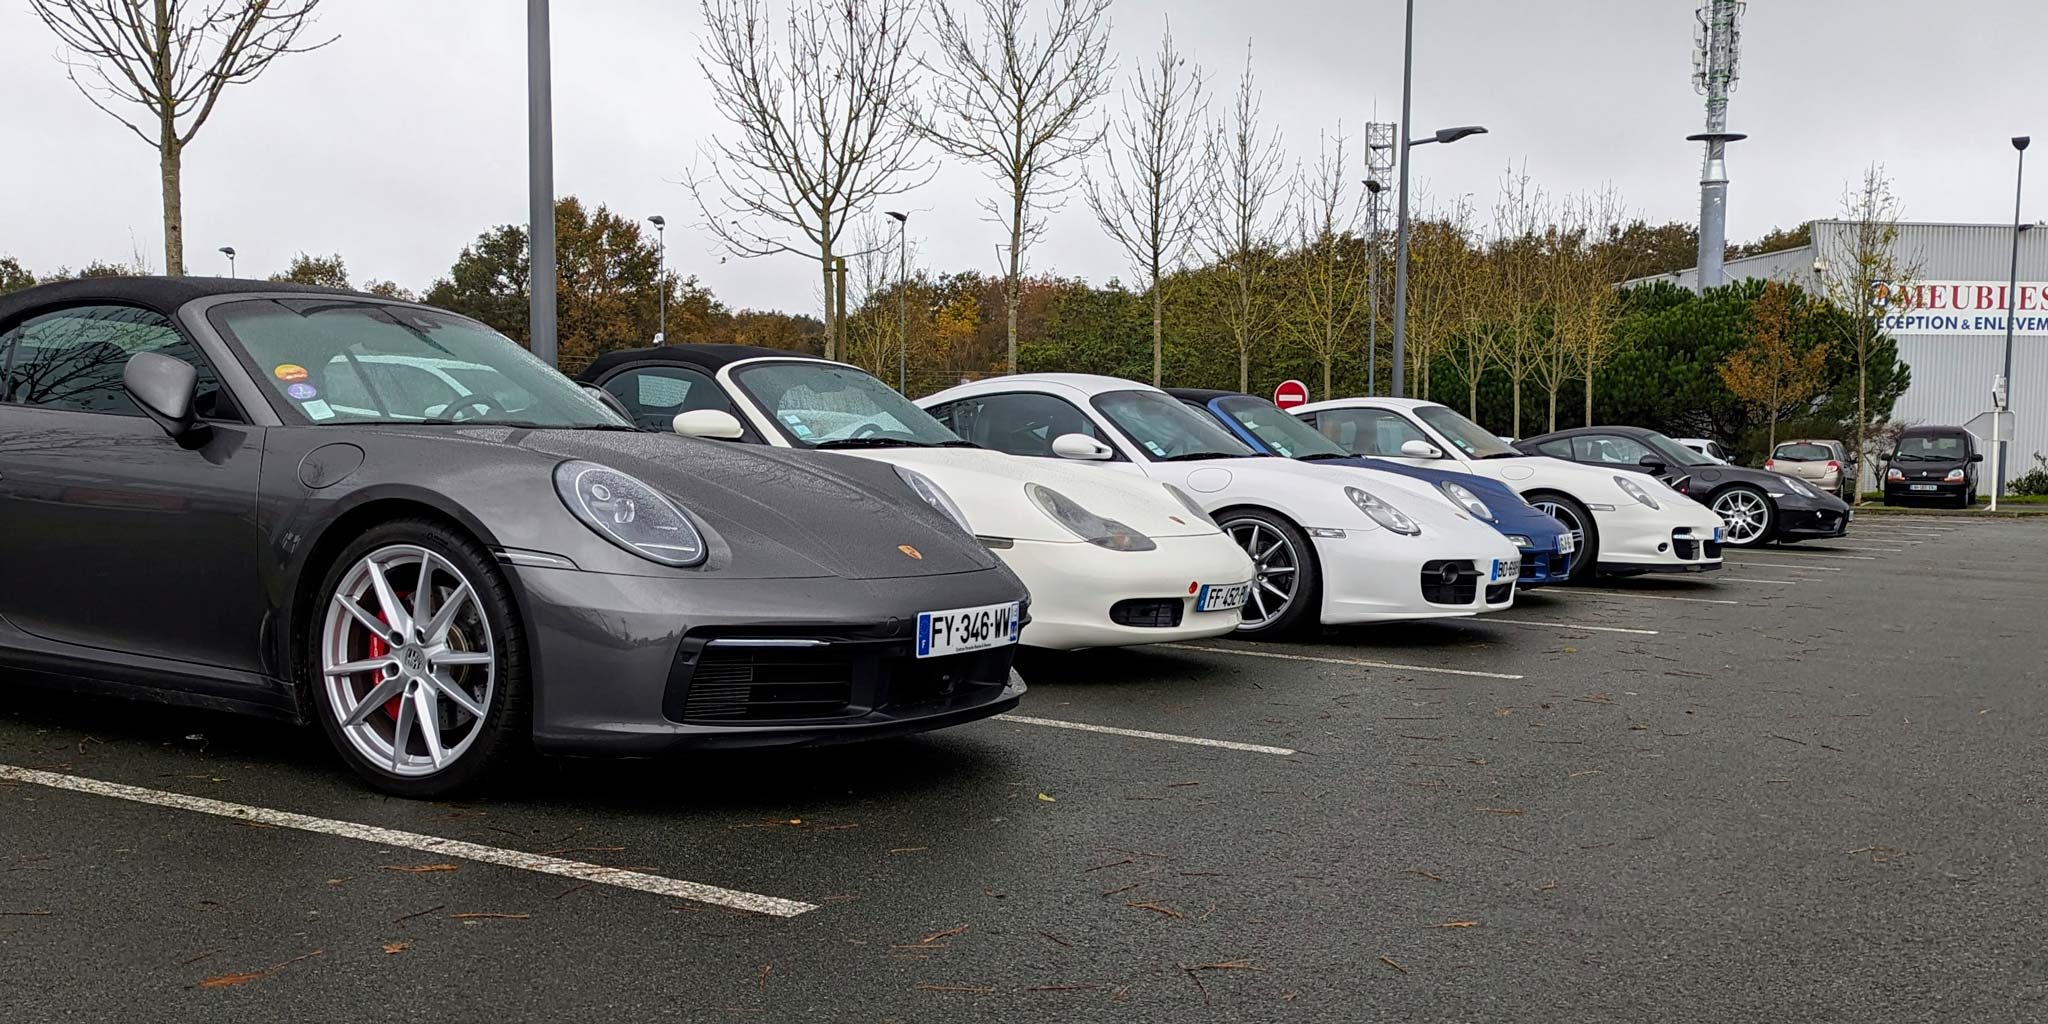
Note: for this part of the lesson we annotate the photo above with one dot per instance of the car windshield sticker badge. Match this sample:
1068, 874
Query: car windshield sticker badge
796, 424
290, 373
1153, 447
302, 392
317, 410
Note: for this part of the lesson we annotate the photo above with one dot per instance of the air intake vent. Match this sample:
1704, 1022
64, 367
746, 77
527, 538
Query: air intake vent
1152, 614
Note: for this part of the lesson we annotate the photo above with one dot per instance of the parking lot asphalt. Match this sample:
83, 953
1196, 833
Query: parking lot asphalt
1807, 788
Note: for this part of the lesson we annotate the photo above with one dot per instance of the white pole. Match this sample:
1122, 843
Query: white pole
1997, 458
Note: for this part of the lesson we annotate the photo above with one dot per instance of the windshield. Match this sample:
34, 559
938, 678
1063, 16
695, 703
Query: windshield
1165, 429
824, 405
1931, 447
347, 361
1469, 437
1283, 434
1803, 453
1673, 453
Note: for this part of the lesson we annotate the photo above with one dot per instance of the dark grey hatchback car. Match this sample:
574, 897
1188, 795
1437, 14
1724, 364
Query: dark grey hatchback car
319, 505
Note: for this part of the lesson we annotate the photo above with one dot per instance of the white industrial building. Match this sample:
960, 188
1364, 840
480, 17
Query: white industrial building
1951, 331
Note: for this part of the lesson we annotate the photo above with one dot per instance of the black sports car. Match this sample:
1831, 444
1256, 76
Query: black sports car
1758, 506
314, 504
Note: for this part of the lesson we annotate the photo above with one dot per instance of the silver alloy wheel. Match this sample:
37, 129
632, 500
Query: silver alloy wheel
1565, 515
1746, 514
407, 661
1276, 566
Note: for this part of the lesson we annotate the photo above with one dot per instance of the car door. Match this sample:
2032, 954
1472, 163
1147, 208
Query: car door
1380, 433
1025, 423
111, 535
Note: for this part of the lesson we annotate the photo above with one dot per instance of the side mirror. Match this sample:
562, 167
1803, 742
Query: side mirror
715, 424
609, 401
1652, 463
1082, 448
1421, 450
163, 388
1976, 456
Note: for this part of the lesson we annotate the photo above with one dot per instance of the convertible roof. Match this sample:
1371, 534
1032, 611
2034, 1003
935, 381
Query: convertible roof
163, 294
706, 356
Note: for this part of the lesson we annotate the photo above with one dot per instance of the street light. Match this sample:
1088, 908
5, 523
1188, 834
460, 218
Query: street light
229, 252
902, 310
2012, 293
1373, 188
540, 184
661, 273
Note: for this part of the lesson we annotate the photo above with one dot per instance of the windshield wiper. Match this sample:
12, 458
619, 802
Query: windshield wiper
1320, 456
1192, 456
957, 444
1505, 455
870, 442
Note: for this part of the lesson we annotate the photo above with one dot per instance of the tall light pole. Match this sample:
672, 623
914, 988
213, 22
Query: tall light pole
661, 273
540, 184
229, 252
2012, 294
1373, 188
902, 309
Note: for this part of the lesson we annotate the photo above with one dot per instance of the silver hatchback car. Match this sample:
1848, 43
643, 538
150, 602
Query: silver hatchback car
1824, 464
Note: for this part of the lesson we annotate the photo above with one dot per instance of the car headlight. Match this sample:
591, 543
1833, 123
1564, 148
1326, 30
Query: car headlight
935, 496
1382, 513
1635, 490
629, 513
1799, 488
1955, 476
1520, 541
1097, 530
1188, 502
1463, 497
1894, 474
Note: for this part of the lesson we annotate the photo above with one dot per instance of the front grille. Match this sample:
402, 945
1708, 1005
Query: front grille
1560, 564
1532, 564
750, 684
1499, 592
1147, 613
1685, 547
743, 681
1460, 589
1713, 549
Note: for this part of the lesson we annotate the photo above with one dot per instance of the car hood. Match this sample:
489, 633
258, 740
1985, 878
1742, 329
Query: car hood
1511, 514
1592, 484
779, 513
989, 488
1710, 478
1316, 490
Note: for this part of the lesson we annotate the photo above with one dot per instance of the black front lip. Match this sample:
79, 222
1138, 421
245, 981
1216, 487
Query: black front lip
1675, 569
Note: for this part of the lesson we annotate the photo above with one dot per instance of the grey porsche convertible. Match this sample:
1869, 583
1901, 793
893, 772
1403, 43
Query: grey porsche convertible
390, 519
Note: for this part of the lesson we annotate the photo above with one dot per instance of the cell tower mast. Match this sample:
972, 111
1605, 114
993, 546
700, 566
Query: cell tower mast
1717, 52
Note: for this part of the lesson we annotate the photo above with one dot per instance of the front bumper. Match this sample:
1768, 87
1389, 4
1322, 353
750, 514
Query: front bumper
1635, 538
1807, 520
1079, 591
633, 665
1542, 567
1901, 491
1375, 576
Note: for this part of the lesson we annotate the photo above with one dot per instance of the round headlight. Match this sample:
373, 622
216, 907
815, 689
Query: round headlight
1382, 513
629, 513
1463, 497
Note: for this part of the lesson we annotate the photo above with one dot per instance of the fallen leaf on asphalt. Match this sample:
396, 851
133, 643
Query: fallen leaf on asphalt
338, 881
1500, 810
245, 977
1062, 988
1431, 875
1389, 961
1057, 939
395, 948
420, 869
1547, 886
1047, 799
1456, 924
1241, 964
762, 981
1589, 771
947, 934
910, 849
1156, 908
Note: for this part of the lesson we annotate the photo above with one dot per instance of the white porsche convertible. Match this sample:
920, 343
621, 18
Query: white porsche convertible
1332, 544
1108, 561
1625, 523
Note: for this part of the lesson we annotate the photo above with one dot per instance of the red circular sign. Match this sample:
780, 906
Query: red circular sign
1290, 393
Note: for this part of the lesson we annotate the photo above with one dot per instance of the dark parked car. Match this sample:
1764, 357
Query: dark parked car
1758, 506
1547, 547
317, 505
1937, 464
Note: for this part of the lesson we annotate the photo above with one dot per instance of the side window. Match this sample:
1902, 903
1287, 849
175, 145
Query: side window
1022, 423
1558, 449
72, 359
1368, 431
655, 394
1608, 450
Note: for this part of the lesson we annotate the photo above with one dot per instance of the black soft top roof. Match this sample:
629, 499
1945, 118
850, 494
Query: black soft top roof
707, 357
163, 294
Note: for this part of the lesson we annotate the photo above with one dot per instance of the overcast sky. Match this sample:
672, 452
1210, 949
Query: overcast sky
401, 142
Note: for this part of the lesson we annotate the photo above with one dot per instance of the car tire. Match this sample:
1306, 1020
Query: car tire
1280, 552
1573, 514
1749, 517
403, 711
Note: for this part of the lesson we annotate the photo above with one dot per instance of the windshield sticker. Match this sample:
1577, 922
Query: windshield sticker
302, 392
1153, 447
317, 410
290, 373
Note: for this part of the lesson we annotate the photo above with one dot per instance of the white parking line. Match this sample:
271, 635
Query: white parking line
1565, 625
1753, 579
578, 870
1349, 661
1791, 565
1141, 734
1589, 592
1820, 554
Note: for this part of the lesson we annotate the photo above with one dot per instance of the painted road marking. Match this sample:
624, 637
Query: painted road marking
1141, 734
1752, 579
1791, 565
1646, 597
1565, 625
1349, 661
1823, 554
440, 847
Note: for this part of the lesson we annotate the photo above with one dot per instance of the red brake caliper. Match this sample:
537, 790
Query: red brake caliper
377, 649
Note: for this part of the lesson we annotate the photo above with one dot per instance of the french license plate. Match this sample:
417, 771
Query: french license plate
1504, 569
967, 629
1566, 544
1719, 532
1923, 487
1216, 597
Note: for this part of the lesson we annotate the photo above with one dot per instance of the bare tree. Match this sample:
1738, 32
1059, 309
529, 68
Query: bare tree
1596, 291
1864, 258
1148, 197
1329, 268
172, 58
1018, 106
1240, 225
822, 117
1520, 220
1441, 288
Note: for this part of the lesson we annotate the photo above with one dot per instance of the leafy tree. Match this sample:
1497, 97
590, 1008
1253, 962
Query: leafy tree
13, 276
1775, 240
1642, 250
1771, 373
325, 271
390, 290
1864, 259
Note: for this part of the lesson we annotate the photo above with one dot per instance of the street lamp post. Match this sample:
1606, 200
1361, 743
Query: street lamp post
2012, 293
229, 252
1373, 188
1408, 143
661, 274
540, 184
902, 309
